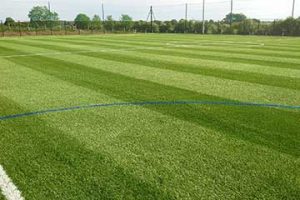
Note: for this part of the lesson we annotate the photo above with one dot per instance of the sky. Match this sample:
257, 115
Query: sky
163, 9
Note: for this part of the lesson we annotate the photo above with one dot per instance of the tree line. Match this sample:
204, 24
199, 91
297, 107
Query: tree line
42, 18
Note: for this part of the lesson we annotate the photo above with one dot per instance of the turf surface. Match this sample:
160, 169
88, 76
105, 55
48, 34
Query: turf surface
151, 151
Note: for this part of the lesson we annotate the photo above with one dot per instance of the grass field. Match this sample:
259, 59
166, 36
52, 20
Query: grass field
234, 146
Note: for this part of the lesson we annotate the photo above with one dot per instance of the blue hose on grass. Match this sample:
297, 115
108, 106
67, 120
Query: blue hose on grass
147, 103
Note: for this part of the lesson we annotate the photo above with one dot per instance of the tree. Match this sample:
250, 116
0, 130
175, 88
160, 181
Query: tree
180, 26
126, 22
290, 26
109, 23
248, 26
82, 21
9, 21
166, 27
140, 26
96, 23
42, 13
235, 18
212, 28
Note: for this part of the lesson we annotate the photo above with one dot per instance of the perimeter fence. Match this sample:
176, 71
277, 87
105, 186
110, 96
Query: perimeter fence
244, 17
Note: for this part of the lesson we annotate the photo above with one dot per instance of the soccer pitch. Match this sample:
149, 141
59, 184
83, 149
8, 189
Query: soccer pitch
150, 116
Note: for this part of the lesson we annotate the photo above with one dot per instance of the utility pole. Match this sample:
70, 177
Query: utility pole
103, 14
151, 11
186, 16
151, 15
203, 17
293, 9
49, 6
231, 13
20, 31
103, 17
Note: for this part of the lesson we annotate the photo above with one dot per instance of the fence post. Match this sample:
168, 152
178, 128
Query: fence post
45, 28
89, 29
36, 32
103, 27
274, 24
51, 27
2, 28
20, 32
65, 26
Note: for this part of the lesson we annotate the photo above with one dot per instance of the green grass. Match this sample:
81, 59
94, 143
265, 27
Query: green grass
154, 151
1, 196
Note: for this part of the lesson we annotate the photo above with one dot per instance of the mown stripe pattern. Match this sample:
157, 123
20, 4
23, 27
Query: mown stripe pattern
151, 151
154, 103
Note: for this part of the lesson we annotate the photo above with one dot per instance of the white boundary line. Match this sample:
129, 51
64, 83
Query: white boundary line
7, 187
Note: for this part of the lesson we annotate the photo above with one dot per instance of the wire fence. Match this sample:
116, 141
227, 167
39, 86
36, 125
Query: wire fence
205, 16
46, 28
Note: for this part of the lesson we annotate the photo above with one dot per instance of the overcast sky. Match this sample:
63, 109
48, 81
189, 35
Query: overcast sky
163, 9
